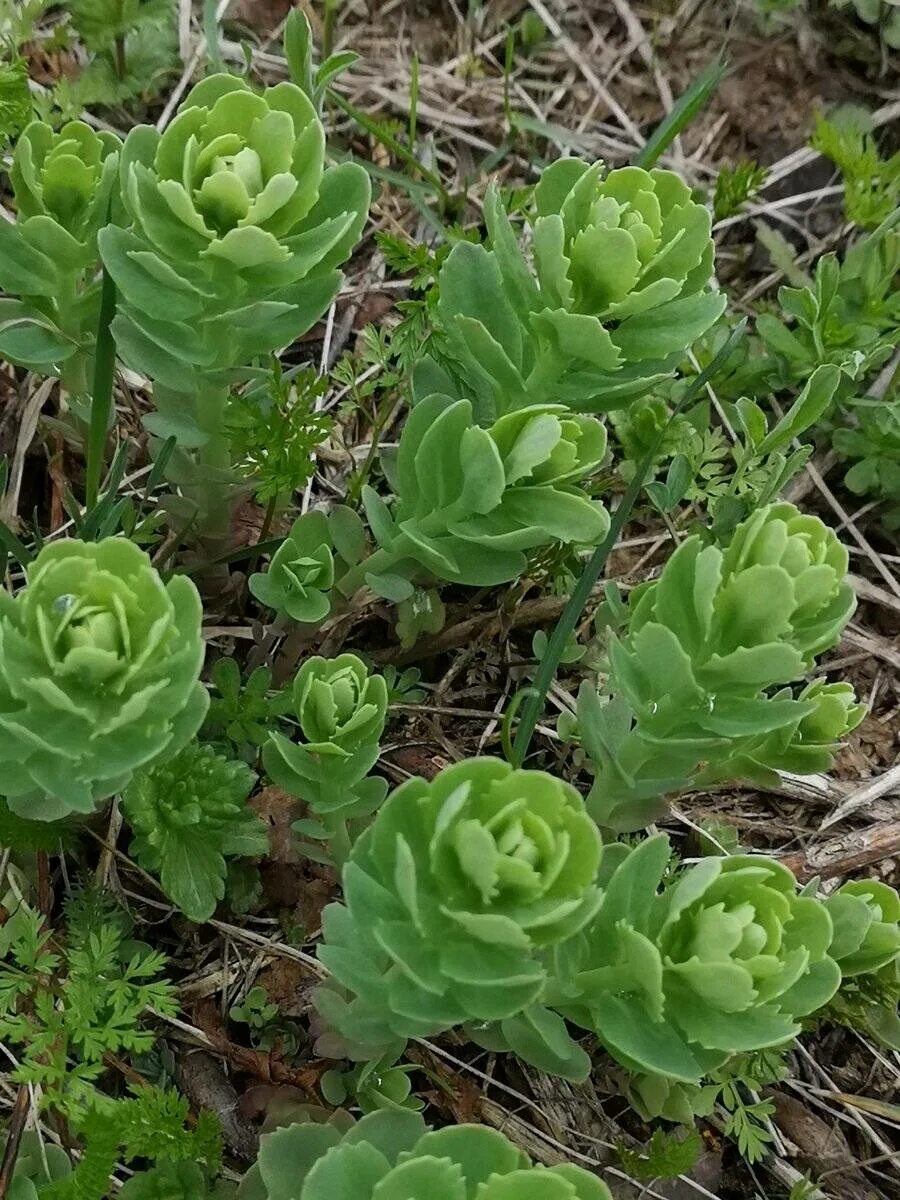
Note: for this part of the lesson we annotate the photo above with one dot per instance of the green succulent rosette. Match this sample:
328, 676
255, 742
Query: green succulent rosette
450, 898
339, 704
726, 958
341, 709
236, 236
866, 918
611, 292
701, 647
99, 668
301, 573
470, 501
65, 189
393, 1155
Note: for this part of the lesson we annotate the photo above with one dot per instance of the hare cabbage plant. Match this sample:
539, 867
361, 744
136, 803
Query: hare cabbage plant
65, 187
236, 230
609, 294
394, 1154
99, 675
693, 670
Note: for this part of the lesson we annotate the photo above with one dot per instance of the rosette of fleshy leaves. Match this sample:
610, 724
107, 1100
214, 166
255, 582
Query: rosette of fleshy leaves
237, 231
99, 668
300, 575
393, 1154
64, 185
866, 944
727, 957
451, 897
612, 291
470, 501
341, 709
38, 1165
700, 649
373, 1085
188, 815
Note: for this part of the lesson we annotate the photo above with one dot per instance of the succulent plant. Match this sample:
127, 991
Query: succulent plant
726, 958
64, 185
301, 573
451, 895
38, 1165
865, 914
188, 814
99, 666
393, 1155
613, 290
237, 231
469, 501
701, 646
341, 709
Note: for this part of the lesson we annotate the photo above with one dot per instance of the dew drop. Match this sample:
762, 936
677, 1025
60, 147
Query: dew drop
63, 603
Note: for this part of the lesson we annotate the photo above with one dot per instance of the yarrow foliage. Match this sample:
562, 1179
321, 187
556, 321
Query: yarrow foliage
99, 666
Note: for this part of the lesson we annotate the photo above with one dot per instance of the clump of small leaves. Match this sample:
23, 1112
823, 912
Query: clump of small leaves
16, 108
666, 1156
267, 1028
736, 186
63, 1009
873, 444
273, 438
188, 816
242, 713
300, 576
403, 686
871, 183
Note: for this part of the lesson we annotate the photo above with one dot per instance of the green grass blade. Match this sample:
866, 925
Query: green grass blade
683, 112
102, 395
565, 626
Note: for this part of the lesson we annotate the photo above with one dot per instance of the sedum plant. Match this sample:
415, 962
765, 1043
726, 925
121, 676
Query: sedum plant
393, 1155
99, 666
65, 186
341, 710
237, 231
701, 647
450, 897
470, 501
611, 293
301, 573
188, 815
865, 914
725, 958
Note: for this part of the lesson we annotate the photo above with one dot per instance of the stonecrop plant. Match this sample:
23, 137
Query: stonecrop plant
236, 232
395, 1154
612, 291
65, 187
99, 675
447, 483
450, 896
692, 672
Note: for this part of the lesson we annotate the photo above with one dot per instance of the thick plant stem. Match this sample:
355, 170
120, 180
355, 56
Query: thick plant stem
102, 395
338, 839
